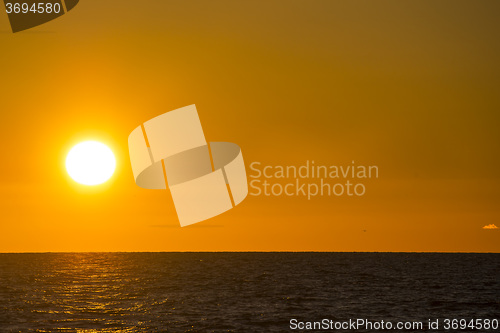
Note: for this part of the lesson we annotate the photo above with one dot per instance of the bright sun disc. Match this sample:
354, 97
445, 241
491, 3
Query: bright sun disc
90, 163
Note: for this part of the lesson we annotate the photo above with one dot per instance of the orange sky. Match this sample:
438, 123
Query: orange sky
411, 87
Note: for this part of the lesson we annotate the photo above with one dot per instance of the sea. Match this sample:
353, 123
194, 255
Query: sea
249, 292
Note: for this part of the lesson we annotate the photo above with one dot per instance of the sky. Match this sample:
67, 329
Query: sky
411, 87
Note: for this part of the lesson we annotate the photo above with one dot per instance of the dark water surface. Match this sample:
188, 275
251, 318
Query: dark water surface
240, 292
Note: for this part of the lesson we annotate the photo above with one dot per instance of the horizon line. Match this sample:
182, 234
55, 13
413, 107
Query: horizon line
360, 252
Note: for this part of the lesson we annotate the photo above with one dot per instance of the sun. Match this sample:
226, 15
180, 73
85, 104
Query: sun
90, 163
